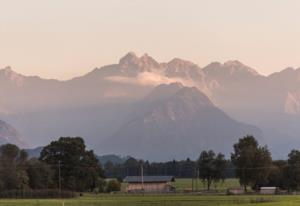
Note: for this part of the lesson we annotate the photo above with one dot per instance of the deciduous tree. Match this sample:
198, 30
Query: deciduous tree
79, 168
252, 162
211, 167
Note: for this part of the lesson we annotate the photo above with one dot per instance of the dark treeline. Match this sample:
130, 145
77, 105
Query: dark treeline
180, 169
251, 163
66, 165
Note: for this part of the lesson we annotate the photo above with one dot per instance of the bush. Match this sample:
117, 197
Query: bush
113, 186
36, 194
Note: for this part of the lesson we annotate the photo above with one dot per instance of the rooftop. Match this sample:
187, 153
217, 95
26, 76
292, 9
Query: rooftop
149, 179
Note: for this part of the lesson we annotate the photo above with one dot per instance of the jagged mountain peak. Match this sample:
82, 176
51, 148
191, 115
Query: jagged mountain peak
148, 61
7, 74
214, 64
132, 64
233, 63
179, 68
236, 66
129, 58
132, 58
230, 70
7, 71
291, 74
180, 63
289, 70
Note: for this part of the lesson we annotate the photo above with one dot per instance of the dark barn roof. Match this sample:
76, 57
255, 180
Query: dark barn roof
149, 179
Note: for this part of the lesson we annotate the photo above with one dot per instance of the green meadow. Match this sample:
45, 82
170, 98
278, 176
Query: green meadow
183, 184
161, 200
178, 199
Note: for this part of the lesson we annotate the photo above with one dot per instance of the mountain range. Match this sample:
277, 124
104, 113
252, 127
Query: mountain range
140, 99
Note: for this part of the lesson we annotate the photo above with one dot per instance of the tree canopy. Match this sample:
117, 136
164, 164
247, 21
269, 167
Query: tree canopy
79, 168
211, 167
252, 162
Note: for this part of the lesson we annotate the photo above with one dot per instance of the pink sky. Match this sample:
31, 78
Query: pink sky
66, 38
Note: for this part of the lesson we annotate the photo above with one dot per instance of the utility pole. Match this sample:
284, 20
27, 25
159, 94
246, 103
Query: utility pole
197, 180
142, 175
59, 179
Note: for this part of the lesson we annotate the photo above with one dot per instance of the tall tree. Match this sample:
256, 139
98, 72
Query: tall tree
211, 167
79, 168
293, 172
40, 174
13, 167
279, 175
252, 163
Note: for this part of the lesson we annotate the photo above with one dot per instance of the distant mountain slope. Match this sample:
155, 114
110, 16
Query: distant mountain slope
94, 105
115, 159
34, 152
177, 126
8, 134
43, 109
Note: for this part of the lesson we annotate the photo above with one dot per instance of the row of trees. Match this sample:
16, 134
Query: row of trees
249, 162
132, 167
66, 164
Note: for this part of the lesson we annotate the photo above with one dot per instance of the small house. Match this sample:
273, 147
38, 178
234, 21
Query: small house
150, 184
268, 190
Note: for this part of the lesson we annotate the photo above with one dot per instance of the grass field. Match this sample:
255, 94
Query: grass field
182, 184
161, 200
179, 199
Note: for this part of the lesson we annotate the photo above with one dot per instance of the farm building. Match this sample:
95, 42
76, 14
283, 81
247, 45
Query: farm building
149, 184
268, 190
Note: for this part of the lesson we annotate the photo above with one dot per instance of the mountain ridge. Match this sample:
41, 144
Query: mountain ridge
92, 104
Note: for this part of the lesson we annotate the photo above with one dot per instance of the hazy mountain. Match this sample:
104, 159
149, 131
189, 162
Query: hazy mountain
230, 71
115, 159
35, 152
96, 104
265, 101
44, 109
8, 134
177, 122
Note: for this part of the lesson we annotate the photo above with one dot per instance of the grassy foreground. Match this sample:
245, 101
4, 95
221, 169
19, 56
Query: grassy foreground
161, 200
165, 200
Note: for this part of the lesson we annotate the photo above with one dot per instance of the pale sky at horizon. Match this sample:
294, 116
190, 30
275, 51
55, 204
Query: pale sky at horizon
67, 38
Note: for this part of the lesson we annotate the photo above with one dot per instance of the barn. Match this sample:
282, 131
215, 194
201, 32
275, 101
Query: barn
268, 190
151, 184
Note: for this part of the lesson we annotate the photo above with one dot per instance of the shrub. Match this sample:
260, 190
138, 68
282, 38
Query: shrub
36, 194
113, 186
